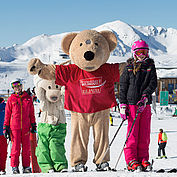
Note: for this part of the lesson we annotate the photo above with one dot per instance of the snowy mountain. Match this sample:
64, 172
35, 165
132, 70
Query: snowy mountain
162, 43
161, 40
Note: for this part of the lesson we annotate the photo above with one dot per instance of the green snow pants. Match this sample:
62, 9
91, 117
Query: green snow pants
50, 151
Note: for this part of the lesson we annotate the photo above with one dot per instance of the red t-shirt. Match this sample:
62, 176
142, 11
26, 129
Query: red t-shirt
88, 92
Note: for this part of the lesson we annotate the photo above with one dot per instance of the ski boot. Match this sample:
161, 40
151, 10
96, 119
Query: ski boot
64, 170
51, 170
27, 170
134, 166
104, 166
146, 166
159, 157
164, 156
15, 170
2, 172
80, 168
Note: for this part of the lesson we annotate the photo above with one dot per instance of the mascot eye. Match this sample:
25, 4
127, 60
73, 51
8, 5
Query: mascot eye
80, 44
56, 86
96, 44
49, 87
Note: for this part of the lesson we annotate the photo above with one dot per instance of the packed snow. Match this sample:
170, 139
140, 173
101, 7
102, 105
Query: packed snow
163, 119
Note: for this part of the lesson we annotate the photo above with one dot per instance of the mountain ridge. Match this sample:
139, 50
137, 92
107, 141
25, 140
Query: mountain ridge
162, 41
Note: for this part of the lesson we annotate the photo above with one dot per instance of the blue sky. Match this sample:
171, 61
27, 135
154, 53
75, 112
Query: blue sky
20, 20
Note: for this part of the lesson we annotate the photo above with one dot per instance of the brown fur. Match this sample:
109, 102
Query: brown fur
76, 45
35, 66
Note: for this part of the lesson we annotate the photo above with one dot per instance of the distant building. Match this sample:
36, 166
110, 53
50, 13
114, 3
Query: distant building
170, 85
167, 81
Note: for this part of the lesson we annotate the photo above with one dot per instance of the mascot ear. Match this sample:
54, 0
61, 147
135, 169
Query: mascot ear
66, 42
111, 39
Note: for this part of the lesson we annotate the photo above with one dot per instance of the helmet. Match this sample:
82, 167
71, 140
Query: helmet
18, 81
140, 44
137, 48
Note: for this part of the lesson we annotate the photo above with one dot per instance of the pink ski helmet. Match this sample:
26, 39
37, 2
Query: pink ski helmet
139, 45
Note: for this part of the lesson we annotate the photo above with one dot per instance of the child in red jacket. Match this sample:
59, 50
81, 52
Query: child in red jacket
3, 141
19, 118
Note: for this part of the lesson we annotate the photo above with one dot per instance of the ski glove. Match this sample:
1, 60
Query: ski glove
142, 103
123, 111
6, 132
33, 128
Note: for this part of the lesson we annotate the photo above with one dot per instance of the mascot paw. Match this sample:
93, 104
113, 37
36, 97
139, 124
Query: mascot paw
35, 66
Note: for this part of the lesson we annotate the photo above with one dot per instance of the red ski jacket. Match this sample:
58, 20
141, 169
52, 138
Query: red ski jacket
160, 138
19, 112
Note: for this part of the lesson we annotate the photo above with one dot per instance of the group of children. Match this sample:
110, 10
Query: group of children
137, 83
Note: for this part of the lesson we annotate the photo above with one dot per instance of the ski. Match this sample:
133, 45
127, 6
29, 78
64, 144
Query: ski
173, 170
95, 170
160, 171
109, 169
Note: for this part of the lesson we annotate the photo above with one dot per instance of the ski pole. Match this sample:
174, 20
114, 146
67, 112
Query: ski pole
10, 143
111, 143
126, 139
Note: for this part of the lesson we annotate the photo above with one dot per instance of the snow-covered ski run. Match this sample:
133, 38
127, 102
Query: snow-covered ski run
91, 173
162, 121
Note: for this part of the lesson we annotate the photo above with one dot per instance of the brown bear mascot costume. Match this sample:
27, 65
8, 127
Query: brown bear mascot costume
89, 91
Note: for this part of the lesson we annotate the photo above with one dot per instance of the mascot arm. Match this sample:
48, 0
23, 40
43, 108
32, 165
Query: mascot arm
35, 66
40, 93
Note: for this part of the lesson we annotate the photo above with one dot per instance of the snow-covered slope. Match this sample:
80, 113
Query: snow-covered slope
42, 46
162, 43
163, 120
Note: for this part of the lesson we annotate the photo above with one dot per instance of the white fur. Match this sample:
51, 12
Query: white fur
51, 101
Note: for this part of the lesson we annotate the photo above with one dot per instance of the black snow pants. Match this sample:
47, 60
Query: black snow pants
161, 147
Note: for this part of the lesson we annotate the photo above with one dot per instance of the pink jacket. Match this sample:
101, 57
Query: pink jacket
19, 112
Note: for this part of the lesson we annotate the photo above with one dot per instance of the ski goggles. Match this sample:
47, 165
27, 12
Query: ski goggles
16, 84
141, 52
